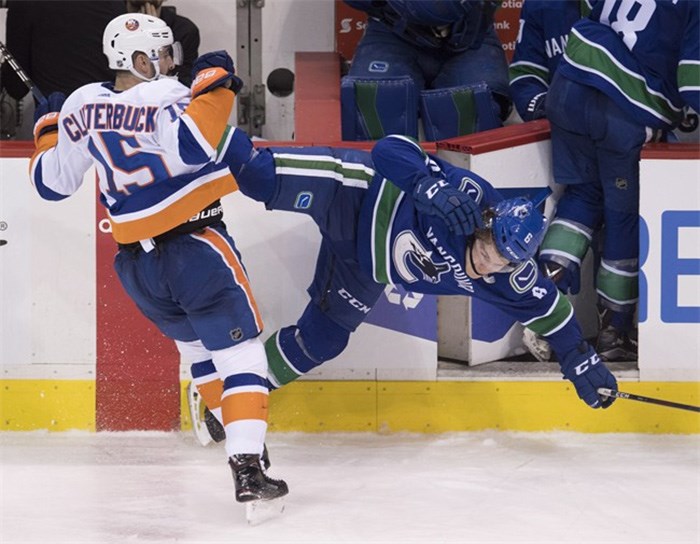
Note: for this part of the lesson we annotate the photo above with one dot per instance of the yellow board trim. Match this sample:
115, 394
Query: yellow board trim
436, 407
54, 405
365, 406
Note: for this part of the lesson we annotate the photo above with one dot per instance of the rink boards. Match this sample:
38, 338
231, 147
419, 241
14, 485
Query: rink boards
76, 354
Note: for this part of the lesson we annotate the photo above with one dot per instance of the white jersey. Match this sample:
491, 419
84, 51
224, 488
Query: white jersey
152, 147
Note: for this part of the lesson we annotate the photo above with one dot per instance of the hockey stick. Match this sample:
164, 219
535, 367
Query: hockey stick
7, 57
630, 396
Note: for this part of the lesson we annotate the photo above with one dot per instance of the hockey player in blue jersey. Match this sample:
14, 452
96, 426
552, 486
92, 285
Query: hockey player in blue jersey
542, 36
627, 73
440, 58
434, 228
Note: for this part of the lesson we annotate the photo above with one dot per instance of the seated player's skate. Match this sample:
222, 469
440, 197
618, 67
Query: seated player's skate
616, 345
252, 484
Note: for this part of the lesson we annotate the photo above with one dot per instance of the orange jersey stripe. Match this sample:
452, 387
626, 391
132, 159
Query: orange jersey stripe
210, 112
217, 241
175, 214
47, 141
244, 406
211, 393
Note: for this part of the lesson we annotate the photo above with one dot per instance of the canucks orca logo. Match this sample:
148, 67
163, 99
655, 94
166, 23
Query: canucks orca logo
379, 66
472, 188
408, 249
304, 200
524, 277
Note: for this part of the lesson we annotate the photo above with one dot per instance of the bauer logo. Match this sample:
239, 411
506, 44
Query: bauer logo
303, 201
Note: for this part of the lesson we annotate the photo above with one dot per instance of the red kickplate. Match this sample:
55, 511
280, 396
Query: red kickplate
138, 369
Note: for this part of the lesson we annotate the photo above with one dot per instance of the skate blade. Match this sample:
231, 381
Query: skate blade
257, 512
199, 427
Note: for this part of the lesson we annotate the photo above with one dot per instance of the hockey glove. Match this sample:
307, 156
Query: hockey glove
213, 70
587, 372
535, 108
566, 278
437, 197
46, 115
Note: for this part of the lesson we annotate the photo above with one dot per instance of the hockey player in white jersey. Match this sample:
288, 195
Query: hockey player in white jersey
152, 142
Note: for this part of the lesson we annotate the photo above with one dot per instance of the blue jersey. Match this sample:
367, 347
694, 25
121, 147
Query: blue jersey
398, 245
448, 25
363, 206
544, 31
644, 55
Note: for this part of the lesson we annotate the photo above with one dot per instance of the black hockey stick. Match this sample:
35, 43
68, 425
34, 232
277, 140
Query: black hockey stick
7, 57
630, 396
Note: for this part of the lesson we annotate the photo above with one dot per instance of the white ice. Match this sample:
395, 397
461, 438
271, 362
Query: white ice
485, 487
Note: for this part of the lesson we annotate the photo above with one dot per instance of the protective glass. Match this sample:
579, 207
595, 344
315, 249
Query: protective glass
173, 51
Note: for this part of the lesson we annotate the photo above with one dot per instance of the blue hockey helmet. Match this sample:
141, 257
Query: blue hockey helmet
518, 228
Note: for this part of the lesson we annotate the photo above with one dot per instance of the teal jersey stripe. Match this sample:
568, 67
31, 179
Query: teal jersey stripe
310, 164
388, 200
688, 75
223, 142
595, 59
519, 70
555, 319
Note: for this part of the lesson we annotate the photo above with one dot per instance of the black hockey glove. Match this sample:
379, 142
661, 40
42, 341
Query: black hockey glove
213, 70
536, 107
437, 197
587, 372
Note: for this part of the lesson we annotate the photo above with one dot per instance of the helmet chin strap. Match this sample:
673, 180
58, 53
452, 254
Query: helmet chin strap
144, 78
471, 261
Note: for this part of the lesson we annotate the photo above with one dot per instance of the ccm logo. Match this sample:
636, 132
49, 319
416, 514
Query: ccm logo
353, 301
588, 363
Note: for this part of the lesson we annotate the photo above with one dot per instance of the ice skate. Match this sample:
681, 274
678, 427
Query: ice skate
263, 496
616, 345
252, 484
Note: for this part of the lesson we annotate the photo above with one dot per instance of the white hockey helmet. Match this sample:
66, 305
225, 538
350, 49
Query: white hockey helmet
132, 32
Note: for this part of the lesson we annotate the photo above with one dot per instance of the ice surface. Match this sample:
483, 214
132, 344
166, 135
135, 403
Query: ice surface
482, 487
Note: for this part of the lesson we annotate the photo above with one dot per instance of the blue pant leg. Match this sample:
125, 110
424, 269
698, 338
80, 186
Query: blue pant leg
487, 63
143, 277
206, 277
380, 53
618, 156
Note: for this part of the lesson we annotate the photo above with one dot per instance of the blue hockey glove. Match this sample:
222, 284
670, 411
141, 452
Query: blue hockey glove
437, 197
52, 103
43, 122
586, 371
213, 70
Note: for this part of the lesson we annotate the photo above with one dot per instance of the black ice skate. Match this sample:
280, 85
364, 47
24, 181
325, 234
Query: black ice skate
252, 484
616, 345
